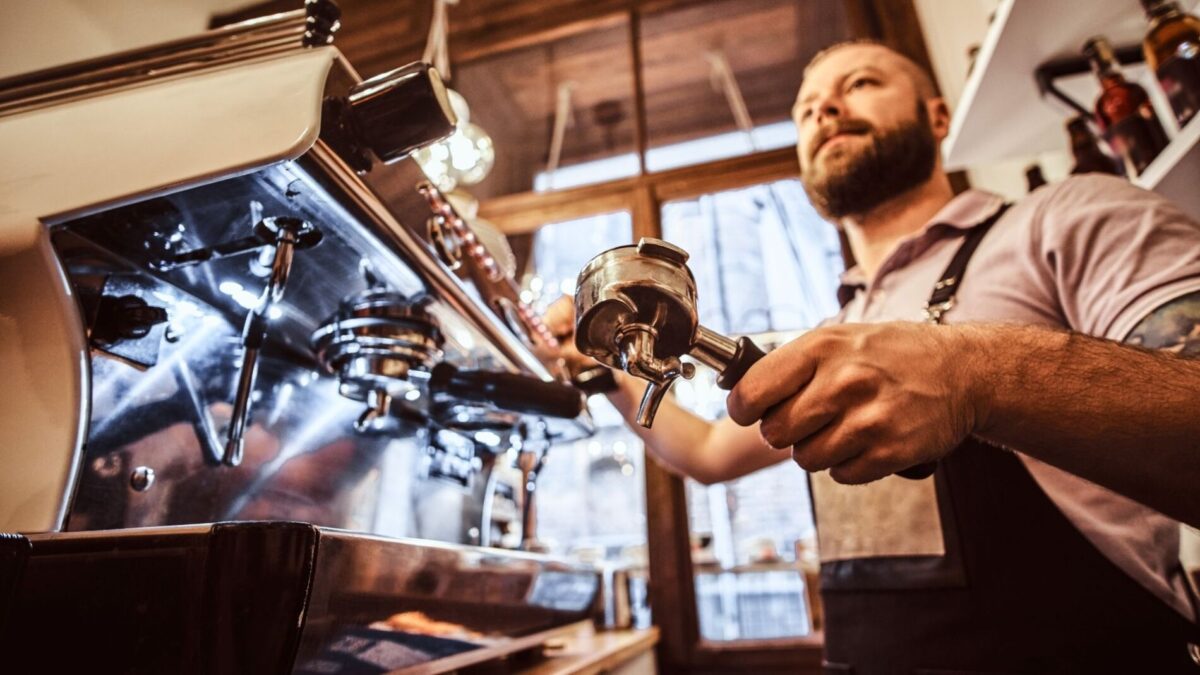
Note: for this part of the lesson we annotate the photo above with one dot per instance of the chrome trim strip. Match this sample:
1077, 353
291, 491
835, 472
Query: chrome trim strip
130, 532
238, 42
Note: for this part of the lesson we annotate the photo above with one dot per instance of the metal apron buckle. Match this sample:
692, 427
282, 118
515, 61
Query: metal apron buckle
933, 312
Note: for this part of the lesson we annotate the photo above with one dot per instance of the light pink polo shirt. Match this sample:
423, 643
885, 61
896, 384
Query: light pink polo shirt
1093, 254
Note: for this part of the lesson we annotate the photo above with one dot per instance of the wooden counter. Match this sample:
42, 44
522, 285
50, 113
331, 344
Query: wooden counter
582, 650
587, 652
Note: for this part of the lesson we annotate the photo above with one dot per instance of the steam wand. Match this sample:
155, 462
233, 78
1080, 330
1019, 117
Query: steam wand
289, 234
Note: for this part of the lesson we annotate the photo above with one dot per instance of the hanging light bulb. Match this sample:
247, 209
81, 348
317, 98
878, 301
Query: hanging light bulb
434, 160
472, 154
464, 158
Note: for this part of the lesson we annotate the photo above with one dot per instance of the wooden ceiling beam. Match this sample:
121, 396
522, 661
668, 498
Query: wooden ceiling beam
489, 30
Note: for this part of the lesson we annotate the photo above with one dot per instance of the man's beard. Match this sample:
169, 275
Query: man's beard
896, 161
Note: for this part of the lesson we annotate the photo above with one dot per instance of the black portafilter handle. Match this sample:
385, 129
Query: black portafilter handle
918, 471
748, 353
595, 380
508, 391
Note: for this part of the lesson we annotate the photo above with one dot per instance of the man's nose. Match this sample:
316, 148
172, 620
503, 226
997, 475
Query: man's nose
829, 108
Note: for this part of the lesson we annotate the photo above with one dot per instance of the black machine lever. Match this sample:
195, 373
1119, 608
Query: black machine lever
508, 391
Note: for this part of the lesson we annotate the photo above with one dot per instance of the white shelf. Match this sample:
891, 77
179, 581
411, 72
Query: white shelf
1175, 173
1001, 114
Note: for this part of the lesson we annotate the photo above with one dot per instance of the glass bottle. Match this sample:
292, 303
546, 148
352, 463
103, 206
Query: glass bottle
1123, 111
1172, 48
1033, 177
1090, 157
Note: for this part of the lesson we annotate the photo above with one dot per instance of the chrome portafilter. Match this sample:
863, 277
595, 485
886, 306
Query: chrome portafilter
376, 344
635, 310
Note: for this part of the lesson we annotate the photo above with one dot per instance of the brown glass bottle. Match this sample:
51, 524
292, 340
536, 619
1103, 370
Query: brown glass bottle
1085, 147
1034, 178
1172, 48
1123, 111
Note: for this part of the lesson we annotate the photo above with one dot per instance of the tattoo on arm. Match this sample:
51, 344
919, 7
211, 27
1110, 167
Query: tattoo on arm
1173, 327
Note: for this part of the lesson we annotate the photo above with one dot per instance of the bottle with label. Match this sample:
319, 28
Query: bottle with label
1123, 111
1172, 48
1090, 156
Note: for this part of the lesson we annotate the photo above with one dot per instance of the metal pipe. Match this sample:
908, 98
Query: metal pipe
288, 233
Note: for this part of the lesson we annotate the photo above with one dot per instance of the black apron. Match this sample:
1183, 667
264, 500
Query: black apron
1018, 590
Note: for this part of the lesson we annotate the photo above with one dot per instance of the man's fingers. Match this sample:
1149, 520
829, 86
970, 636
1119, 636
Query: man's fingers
795, 419
775, 377
560, 315
867, 467
837, 443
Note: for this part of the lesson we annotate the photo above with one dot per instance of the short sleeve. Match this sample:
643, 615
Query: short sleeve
1113, 252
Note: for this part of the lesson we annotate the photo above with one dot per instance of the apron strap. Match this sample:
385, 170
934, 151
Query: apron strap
945, 290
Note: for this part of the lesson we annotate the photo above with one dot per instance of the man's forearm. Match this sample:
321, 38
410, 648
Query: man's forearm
688, 444
1120, 416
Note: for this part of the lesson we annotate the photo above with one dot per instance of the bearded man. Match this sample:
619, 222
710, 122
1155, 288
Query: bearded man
1047, 540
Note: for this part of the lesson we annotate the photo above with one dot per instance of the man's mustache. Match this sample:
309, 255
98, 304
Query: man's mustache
845, 126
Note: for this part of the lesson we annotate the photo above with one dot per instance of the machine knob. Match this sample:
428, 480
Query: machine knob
399, 112
323, 20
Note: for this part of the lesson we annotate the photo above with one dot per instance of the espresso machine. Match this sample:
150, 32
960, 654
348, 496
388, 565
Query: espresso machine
257, 372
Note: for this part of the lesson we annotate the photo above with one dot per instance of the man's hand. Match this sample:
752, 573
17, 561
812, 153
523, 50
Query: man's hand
863, 400
560, 319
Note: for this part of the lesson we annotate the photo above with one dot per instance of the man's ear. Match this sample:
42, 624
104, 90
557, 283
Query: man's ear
939, 117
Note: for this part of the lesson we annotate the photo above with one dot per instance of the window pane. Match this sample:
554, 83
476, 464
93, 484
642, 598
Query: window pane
763, 259
560, 250
765, 264
753, 541
766, 44
591, 496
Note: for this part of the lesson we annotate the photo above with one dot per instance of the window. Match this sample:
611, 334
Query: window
763, 259
560, 250
591, 496
766, 265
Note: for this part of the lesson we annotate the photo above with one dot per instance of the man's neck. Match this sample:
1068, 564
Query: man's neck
874, 235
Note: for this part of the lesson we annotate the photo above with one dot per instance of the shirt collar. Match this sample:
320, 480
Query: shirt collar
966, 210
962, 213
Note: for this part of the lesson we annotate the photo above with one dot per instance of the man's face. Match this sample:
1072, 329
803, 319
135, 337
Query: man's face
865, 135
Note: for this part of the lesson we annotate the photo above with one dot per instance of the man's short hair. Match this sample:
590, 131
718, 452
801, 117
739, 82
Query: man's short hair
922, 81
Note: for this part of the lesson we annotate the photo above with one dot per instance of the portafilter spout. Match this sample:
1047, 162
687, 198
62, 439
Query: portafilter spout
635, 310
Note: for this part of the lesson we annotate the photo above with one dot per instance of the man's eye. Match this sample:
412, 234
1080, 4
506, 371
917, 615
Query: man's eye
860, 83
